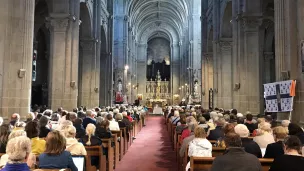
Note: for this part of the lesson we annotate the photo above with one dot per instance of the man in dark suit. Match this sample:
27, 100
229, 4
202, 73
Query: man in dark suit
218, 131
89, 119
235, 157
276, 149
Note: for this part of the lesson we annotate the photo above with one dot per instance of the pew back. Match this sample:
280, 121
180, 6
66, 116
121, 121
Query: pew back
205, 163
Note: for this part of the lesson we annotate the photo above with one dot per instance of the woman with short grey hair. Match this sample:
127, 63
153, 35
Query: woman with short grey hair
99, 120
249, 145
18, 150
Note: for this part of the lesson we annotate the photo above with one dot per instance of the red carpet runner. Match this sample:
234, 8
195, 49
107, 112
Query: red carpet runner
151, 151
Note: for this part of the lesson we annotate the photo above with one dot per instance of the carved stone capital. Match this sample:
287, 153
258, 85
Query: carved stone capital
225, 45
252, 23
59, 24
87, 44
208, 56
268, 55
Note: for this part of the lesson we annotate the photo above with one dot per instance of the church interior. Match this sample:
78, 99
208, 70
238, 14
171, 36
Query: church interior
166, 85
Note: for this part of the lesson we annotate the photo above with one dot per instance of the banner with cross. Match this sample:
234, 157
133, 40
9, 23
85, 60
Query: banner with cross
277, 96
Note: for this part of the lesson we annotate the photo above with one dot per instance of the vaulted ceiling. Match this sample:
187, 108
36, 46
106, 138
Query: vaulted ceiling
145, 13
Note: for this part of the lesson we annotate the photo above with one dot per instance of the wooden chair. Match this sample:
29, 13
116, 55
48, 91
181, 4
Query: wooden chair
95, 151
107, 143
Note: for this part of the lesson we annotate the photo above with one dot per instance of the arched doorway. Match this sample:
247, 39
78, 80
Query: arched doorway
40, 72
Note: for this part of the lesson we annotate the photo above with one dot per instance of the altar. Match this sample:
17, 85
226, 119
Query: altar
157, 93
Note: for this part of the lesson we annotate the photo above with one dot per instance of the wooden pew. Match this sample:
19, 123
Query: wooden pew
125, 141
52, 170
110, 159
201, 163
205, 163
118, 150
95, 151
218, 151
266, 163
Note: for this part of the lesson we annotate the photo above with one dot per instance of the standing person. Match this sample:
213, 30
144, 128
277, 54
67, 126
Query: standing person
292, 159
235, 157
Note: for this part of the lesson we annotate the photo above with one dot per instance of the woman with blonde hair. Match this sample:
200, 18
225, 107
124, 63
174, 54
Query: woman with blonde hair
72, 145
199, 146
264, 135
90, 139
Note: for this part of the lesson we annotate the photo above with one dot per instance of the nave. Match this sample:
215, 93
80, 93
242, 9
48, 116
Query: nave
151, 151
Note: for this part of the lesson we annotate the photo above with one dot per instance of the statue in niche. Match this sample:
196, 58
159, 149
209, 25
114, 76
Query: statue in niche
119, 86
196, 87
190, 100
148, 88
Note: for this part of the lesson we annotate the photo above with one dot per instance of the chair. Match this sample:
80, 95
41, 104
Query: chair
95, 151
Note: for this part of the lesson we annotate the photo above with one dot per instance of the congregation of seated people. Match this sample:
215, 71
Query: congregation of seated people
46, 136
245, 138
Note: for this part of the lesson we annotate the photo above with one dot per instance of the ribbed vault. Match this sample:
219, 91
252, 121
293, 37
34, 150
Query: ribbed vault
165, 16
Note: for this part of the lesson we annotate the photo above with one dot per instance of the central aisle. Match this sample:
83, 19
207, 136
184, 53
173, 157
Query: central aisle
151, 151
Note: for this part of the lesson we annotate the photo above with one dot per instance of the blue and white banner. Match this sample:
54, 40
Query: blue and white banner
277, 96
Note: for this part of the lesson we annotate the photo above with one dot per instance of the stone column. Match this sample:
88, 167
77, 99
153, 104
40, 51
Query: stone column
16, 49
252, 87
268, 57
142, 70
216, 50
279, 17
62, 85
207, 78
89, 83
226, 88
